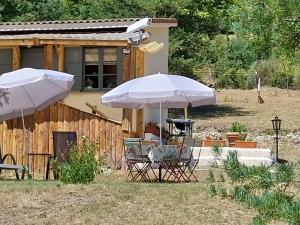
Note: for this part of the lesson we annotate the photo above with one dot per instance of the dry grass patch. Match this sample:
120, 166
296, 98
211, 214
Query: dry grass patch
111, 200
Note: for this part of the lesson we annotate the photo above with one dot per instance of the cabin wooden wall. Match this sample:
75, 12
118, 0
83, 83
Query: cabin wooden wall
61, 117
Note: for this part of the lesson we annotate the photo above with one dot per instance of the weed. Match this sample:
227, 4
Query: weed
210, 178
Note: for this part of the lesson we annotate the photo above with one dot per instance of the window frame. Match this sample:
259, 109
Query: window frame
119, 69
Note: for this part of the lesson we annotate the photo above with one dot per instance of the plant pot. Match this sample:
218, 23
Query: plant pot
232, 137
211, 143
245, 144
152, 130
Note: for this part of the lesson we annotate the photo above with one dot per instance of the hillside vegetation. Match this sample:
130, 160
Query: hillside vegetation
233, 42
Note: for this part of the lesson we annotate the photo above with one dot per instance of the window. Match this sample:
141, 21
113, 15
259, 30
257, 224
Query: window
101, 68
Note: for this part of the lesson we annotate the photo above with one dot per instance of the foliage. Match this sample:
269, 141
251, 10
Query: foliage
233, 78
257, 187
82, 165
290, 212
230, 36
238, 127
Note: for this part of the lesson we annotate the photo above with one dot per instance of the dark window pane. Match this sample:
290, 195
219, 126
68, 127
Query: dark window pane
91, 82
109, 81
109, 69
91, 69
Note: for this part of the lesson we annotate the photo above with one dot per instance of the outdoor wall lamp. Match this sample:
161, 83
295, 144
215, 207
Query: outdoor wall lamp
276, 122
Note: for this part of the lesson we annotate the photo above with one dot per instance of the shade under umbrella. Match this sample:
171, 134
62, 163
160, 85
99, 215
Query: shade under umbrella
159, 91
28, 90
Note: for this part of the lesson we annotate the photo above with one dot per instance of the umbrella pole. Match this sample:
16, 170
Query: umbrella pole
25, 136
160, 135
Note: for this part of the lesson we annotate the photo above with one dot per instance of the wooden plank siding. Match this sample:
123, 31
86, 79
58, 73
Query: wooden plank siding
61, 117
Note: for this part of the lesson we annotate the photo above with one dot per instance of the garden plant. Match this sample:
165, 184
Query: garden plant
271, 191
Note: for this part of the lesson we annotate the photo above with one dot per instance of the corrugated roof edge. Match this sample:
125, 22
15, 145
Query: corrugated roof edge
153, 20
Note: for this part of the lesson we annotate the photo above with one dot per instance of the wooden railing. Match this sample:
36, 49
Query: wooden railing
61, 117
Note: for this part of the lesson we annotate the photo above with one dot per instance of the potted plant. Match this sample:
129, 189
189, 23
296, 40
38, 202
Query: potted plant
209, 142
248, 143
152, 128
237, 132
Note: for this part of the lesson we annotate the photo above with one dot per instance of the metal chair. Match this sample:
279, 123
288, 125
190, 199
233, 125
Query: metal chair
138, 163
189, 164
13, 166
173, 166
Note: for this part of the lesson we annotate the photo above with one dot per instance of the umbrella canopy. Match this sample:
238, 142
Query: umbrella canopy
153, 91
24, 91
159, 91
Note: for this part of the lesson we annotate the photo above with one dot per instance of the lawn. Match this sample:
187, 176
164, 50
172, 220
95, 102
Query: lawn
111, 200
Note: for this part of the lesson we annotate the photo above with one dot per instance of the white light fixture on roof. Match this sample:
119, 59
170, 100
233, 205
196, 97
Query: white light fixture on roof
137, 32
137, 26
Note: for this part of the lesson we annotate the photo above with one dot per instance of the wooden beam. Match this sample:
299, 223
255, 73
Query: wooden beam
139, 72
16, 58
84, 42
23, 42
61, 58
139, 60
127, 113
48, 57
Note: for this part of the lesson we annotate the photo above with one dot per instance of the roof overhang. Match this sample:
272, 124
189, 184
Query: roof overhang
83, 26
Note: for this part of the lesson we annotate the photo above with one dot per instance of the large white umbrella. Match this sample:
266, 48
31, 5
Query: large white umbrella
24, 91
159, 91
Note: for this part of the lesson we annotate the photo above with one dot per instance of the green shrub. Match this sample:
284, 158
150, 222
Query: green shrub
233, 78
282, 80
212, 191
233, 167
290, 212
82, 165
297, 77
238, 127
270, 204
284, 173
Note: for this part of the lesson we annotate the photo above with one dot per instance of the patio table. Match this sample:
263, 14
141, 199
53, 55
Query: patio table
158, 153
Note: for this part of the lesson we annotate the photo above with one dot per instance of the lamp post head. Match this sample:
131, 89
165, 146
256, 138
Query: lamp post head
276, 122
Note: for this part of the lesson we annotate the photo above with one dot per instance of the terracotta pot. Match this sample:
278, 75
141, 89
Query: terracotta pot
211, 143
232, 137
245, 144
155, 130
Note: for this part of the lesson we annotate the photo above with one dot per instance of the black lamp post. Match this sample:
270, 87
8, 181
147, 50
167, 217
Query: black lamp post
276, 122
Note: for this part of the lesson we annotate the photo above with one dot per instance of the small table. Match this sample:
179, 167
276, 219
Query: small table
158, 153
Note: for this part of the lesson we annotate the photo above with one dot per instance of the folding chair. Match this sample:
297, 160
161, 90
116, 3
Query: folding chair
189, 164
138, 163
173, 166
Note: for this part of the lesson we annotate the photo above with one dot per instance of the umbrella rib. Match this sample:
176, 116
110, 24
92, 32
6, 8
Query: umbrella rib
28, 95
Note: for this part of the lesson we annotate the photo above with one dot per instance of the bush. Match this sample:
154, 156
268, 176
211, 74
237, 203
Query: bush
233, 78
238, 127
282, 80
290, 212
256, 187
82, 165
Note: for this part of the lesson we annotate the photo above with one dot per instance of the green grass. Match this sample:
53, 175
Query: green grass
111, 200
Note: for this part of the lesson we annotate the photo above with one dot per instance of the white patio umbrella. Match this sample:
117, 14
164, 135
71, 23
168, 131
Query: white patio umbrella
159, 91
24, 91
